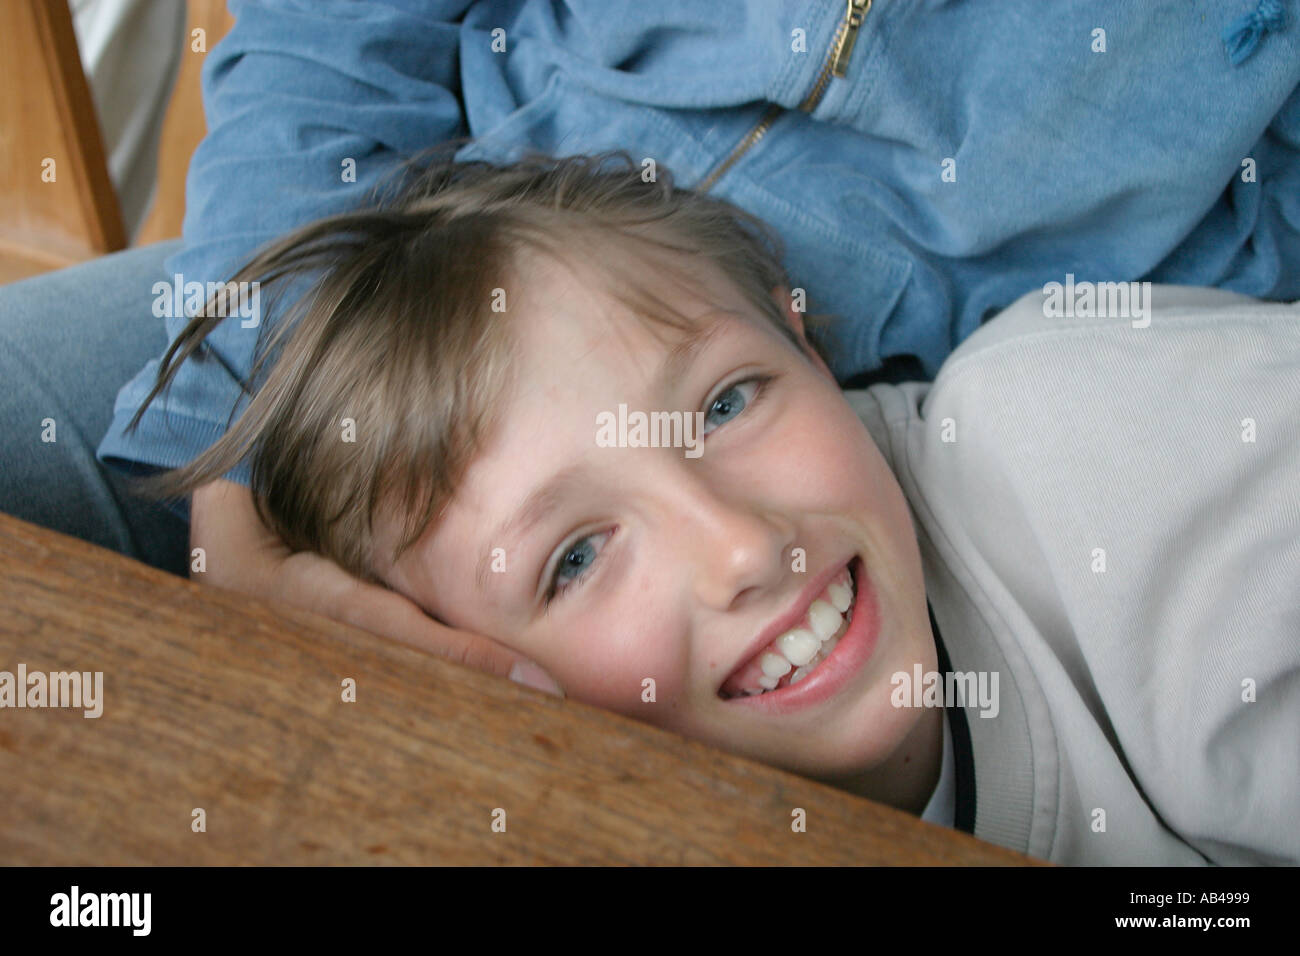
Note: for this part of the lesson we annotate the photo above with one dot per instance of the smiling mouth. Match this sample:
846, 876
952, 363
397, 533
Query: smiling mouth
796, 653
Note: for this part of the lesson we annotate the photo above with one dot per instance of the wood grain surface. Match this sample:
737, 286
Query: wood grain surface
220, 702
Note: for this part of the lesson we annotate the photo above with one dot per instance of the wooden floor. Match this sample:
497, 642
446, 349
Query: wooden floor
217, 703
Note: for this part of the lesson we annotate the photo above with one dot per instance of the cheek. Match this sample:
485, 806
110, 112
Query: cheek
604, 658
823, 455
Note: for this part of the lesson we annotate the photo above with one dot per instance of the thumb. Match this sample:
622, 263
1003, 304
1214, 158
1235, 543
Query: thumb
386, 612
532, 675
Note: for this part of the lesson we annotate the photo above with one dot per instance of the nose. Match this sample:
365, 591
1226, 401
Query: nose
736, 547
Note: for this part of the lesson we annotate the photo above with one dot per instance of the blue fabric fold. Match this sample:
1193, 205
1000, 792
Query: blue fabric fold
1243, 34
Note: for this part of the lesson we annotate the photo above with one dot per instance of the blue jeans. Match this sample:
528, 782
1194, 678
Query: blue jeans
68, 341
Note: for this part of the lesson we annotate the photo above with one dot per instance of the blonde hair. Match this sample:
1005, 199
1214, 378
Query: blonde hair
397, 332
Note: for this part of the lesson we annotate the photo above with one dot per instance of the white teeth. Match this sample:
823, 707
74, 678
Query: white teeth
774, 665
799, 646
804, 648
841, 596
825, 620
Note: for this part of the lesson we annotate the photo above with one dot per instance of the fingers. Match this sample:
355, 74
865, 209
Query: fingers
317, 584
246, 556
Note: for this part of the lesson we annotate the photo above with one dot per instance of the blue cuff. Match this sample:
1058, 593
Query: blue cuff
162, 441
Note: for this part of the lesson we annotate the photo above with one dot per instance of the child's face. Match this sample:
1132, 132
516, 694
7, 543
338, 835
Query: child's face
681, 568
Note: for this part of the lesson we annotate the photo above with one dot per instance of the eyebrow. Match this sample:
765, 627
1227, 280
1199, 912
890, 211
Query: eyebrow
544, 498
681, 355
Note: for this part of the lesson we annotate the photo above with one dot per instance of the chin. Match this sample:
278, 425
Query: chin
856, 745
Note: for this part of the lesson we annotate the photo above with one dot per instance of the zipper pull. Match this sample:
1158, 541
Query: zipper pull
855, 12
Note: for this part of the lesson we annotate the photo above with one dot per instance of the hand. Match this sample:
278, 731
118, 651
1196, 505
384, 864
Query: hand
244, 555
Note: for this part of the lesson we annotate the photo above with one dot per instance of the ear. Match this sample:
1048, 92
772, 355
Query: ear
794, 319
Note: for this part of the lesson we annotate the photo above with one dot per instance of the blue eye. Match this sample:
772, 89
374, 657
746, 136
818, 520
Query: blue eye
733, 401
575, 564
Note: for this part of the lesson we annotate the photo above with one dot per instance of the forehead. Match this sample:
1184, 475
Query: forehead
617, 283
608, 305
581, 341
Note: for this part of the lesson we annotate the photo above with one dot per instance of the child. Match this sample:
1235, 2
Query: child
1049, 599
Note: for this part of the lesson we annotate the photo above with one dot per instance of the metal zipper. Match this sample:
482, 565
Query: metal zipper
836, 64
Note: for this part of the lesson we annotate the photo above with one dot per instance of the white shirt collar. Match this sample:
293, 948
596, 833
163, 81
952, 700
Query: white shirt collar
942, 808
